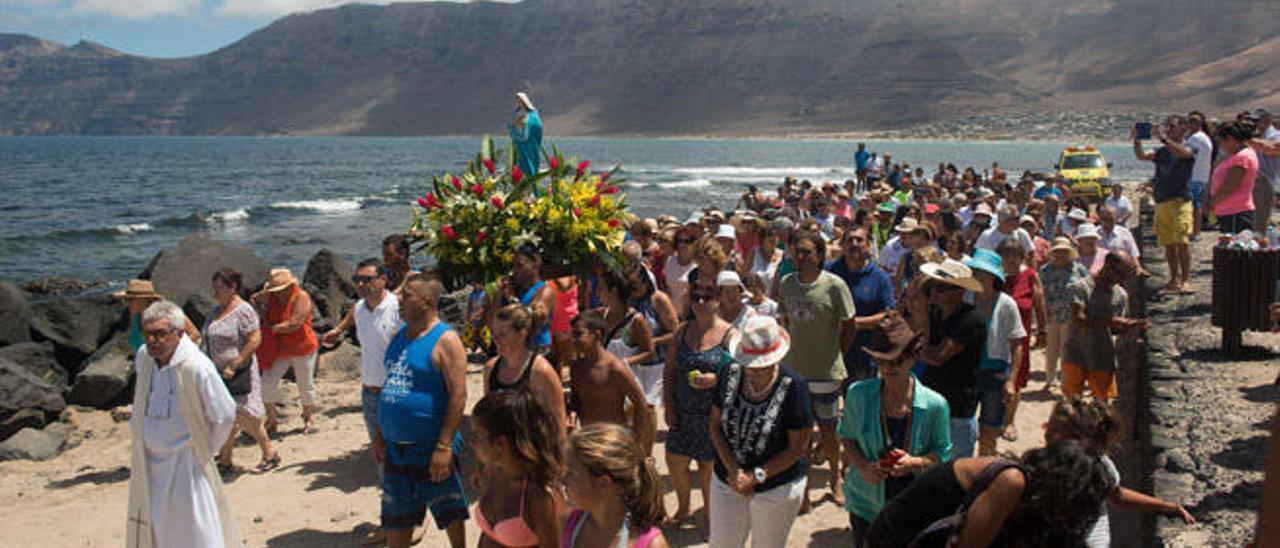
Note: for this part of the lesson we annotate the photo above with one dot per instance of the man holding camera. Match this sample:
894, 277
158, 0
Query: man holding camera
1175, 210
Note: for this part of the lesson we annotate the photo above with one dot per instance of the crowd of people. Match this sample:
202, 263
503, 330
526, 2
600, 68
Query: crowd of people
877, 332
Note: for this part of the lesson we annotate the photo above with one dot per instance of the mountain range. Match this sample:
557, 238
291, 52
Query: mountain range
659, 67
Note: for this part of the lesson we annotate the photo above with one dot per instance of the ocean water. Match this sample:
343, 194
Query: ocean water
98, 208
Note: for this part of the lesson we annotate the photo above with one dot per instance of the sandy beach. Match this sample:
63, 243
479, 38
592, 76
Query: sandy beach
325, 493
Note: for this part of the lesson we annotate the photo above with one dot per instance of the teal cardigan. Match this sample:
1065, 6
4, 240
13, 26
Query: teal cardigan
930, 433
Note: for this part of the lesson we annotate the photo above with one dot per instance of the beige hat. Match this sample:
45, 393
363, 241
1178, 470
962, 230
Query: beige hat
762, 343
908, 225
1062, 243
1087, 230
139, 289
951, 271
279, 280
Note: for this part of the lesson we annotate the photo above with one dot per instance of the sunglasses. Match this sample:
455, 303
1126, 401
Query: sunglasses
701, 297
361, 279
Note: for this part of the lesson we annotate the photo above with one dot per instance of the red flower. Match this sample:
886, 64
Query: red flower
613, 223
479, 190
496, 201
582, 167
480, 236
448, 232
424, 203
595, 201
600, 186
554, 163
516, 174
488, 164
611, 189
577, 212
453, 179
604, 175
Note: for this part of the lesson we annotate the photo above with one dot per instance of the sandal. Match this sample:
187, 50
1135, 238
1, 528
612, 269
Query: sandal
229, 469
269, 464
1010, 433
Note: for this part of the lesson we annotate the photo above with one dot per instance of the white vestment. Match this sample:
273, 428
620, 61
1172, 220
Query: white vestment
181, 414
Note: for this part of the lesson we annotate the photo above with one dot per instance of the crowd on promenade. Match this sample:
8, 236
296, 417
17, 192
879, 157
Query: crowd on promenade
878, 331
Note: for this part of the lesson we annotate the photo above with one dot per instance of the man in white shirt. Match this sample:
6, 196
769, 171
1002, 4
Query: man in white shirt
1006, 228
1264, 192
1114, 237
1120, 204
377, 319
1202, 147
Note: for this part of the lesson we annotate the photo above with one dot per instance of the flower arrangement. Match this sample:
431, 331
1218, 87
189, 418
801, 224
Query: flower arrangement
472, 222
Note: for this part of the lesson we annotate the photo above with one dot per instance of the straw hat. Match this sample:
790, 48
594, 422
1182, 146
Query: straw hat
907, 226
139, 289
1061, 243
1027, 219
762, 343
892, 338
1078, 214
279, 280
951, 271
987, 261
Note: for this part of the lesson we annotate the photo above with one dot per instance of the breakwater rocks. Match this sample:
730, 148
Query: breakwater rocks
62, 349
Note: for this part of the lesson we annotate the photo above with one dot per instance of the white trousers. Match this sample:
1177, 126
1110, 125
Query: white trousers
303, 367
766, 516
1055, 341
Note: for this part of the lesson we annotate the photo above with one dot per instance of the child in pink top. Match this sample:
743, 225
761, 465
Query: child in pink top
615, 493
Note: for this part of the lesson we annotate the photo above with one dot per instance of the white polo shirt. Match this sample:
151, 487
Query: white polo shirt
375, 328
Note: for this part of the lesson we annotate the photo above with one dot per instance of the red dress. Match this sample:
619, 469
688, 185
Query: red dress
1021, 287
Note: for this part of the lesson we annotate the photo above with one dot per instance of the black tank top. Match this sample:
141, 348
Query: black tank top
496, 384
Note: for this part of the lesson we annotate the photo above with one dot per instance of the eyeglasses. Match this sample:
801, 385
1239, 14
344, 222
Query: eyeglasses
360, 279
701, 297
154, 334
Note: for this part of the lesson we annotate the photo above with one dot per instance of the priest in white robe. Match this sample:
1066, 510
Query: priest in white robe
182, 412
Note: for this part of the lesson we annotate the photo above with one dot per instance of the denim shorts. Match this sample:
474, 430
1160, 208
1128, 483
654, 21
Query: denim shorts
991, 397
826, 406
964, 436
1197, 193
407, 489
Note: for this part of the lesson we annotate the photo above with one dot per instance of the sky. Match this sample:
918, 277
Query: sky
154, 28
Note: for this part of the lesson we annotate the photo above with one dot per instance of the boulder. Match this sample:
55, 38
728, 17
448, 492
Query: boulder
340, 364
198, 308
328, 281
77, 326
25, 418
19, 389
15, 315
30, 444
105, 376
452, 307
49, 286
184, 270
38, 358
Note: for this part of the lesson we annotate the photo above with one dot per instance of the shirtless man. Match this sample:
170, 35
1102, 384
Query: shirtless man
601, 383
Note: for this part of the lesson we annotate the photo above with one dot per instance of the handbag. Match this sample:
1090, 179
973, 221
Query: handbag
241, 382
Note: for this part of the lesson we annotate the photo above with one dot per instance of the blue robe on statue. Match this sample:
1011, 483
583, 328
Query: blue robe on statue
527, 141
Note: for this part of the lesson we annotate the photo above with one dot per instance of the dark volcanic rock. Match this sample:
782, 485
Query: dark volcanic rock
25, 418
185, 270
15, 315
59, 286
105, 376
31, 444
19, 390
77, 326
328, 281
38, 358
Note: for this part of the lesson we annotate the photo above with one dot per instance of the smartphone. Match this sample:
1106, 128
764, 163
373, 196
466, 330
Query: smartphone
1144, 130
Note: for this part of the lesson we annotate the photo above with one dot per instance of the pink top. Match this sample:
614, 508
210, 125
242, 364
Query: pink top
566, 307
1094, 262
1242, 199
577, 519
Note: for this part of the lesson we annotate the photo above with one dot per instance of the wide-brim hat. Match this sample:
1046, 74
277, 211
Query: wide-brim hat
907, 226
762, 343
726, 231
1061, 243
953, 272
892, 337
1078, 214
1087, 230
1027, 219
138, 289
987, 261
982, 209
278, 280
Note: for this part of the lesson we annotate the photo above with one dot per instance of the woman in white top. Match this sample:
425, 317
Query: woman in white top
679, 264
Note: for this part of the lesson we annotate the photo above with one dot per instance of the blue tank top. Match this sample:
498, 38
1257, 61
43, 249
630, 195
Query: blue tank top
544, 336
414, 398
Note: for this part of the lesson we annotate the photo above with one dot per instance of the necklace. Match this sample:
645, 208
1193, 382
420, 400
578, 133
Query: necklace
753, 393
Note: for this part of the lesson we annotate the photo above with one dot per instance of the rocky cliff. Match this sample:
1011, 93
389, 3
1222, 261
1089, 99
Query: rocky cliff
657, 67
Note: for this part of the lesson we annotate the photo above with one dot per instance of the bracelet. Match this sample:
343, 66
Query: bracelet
442, 446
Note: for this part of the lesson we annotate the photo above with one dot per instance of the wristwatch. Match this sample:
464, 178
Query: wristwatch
759, 474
